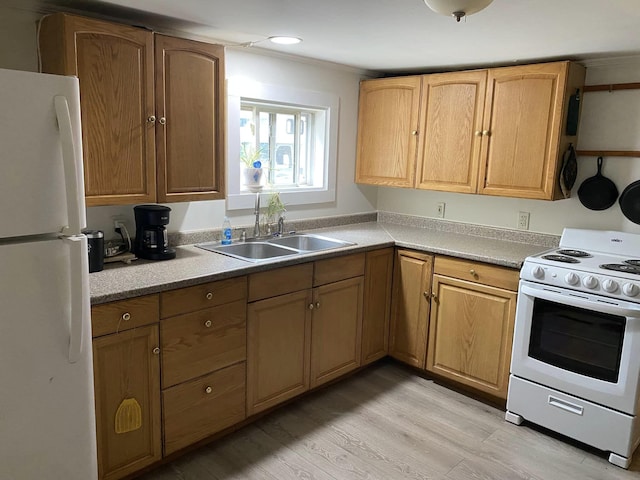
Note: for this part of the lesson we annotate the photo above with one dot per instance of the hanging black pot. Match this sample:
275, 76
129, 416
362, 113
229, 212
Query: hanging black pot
630, 202
598, 192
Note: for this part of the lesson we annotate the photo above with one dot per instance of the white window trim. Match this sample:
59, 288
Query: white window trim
238, 89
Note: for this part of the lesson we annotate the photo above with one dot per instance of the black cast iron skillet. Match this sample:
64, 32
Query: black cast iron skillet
630, 202
598, 192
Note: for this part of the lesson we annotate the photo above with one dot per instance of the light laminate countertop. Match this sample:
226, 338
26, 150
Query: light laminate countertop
193, 265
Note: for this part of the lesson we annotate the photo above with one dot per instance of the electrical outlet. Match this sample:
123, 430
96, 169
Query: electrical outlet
118, 221
440, 210
523, 220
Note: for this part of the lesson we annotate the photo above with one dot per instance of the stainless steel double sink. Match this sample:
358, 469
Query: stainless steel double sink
255, 250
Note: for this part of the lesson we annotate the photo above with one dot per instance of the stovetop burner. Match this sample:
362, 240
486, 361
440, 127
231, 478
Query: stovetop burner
574, 253
622, 267
635, 263
561, 258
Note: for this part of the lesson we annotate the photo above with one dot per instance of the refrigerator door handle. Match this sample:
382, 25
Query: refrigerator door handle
75, 195
80, 305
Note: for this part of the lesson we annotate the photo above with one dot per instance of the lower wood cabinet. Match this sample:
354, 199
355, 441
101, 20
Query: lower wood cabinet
471, 326
278, 349
201, 407
304, 328
376, 306
410, 307
127, 389
336, 328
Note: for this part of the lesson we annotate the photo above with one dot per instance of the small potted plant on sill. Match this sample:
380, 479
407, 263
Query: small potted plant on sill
252, 171
274, 210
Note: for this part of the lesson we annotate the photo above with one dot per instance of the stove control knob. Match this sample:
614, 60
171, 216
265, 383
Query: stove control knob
630, 290
610, 286
537, 272
590, 282
571, 278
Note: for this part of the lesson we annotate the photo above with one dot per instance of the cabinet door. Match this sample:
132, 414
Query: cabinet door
336, 329
190, 110
376, 304
410, 307
114, 64
388, 125
278, 349
452, 131
470, 334
127, 375
523, 116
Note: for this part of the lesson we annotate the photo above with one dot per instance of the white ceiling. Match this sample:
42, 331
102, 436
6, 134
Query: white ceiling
400, 35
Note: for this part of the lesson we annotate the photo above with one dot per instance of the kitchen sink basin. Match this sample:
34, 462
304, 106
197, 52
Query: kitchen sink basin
251, 251
308, 243
256, 250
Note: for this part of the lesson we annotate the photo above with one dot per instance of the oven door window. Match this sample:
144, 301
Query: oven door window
576, 339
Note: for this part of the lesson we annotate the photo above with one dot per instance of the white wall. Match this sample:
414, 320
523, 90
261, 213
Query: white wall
18, 51
609, 121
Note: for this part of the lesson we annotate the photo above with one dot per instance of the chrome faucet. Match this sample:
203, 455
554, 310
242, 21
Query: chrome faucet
280, 230
256, 227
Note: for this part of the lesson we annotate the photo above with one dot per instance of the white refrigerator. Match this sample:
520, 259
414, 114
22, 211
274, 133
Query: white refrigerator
47, 419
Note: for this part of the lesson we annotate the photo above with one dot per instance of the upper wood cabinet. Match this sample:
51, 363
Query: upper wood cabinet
452, 131
190, 110
524, 129
114, 64
388, 123
495, 132
132, 110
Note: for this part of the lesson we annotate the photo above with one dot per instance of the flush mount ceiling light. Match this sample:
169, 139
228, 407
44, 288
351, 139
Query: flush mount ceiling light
457, 8
281, 40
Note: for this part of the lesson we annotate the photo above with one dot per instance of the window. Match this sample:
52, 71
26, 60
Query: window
293, 134
290, 141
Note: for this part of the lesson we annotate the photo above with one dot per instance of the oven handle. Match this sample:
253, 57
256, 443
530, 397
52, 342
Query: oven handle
626, 311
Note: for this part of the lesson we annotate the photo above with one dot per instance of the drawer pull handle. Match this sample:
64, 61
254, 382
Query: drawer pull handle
208, 324
126, 316
209, 295
156, 351
564, 405
208, 389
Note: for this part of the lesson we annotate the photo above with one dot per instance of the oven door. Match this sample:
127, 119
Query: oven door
581, 344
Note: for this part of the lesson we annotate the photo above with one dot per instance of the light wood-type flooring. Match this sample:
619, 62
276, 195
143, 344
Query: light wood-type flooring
388, 423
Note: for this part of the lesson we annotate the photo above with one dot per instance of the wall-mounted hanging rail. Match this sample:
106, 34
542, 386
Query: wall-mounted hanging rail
610, 153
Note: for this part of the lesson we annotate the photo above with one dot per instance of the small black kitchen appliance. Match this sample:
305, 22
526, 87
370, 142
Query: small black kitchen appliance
151, 235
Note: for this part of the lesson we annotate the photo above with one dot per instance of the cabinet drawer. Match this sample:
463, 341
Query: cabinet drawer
123, 315
501, 277
204, 406
278, 282
200, 342
339, 268
210, 294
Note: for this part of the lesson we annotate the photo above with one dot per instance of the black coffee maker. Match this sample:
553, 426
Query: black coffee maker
151, 235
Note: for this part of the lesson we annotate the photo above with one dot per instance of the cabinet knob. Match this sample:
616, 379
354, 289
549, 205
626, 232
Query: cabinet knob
151, 119
317, 305
156, 351
208, 324
414, 132
208, 389
311, 306
209, 295
478, 133
162, 120
473, 273
126, 316
486, 133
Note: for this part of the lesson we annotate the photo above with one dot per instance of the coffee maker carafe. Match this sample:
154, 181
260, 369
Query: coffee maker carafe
151, 235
